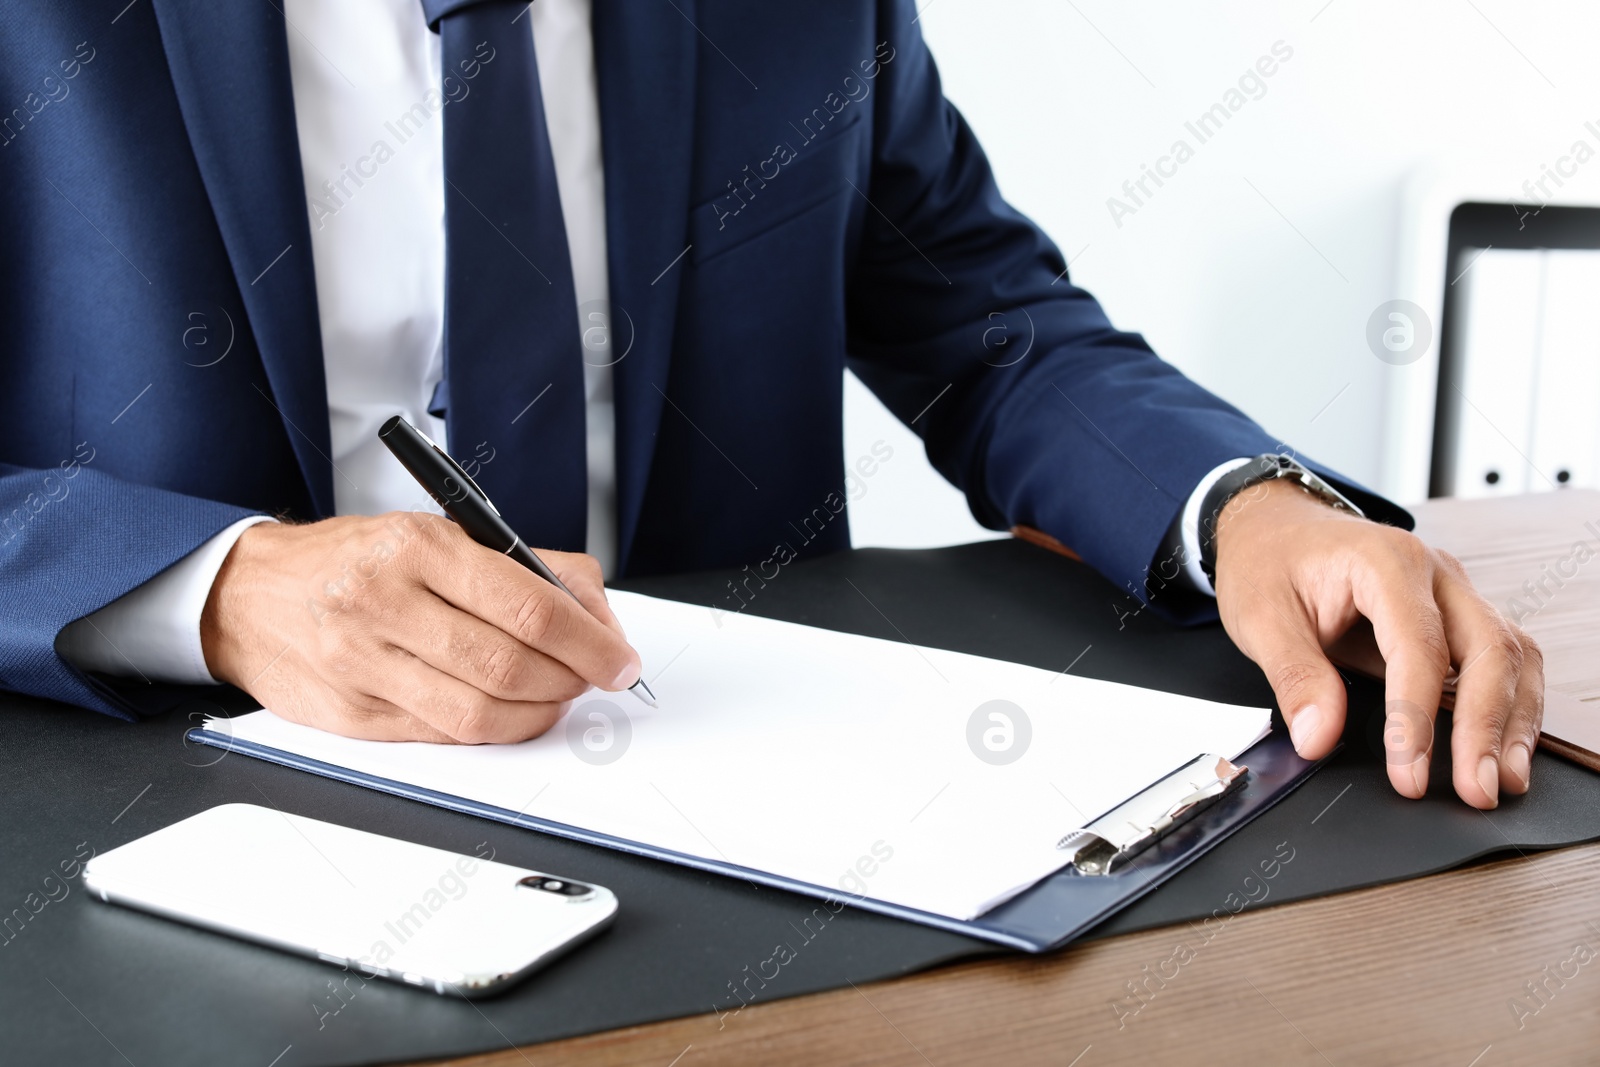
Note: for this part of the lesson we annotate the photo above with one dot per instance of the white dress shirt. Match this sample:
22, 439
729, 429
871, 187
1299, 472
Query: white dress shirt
377, 242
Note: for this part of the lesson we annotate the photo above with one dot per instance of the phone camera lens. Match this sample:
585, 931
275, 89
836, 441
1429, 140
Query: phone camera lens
560, 887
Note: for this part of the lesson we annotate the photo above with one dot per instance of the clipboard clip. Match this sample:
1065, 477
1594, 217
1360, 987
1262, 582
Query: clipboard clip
1109, 842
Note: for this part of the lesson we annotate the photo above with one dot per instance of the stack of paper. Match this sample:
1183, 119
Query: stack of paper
930, 779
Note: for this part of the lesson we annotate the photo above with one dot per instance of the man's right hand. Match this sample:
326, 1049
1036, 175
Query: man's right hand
400, 627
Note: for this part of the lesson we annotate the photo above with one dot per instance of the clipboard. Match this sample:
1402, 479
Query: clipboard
1140, 844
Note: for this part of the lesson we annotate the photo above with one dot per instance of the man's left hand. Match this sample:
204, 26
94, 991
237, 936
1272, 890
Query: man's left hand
1297, 579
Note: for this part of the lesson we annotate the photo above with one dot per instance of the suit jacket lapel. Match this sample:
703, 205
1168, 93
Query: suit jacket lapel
645, 69
230, 68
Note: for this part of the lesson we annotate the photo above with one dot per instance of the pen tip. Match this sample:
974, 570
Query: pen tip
642, 691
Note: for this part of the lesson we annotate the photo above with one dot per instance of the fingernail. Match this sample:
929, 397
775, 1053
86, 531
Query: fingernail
1519, 762
1489, 778
1419, 774
1304, 725
629, 675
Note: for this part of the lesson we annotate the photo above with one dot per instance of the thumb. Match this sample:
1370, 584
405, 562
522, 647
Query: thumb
1310, 691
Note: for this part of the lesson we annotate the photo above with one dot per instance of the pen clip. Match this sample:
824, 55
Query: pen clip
1109, 842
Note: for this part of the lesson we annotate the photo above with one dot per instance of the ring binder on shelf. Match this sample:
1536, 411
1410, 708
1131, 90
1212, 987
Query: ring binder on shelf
1109, 842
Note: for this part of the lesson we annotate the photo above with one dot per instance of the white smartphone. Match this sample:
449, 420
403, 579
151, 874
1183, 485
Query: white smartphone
458, 925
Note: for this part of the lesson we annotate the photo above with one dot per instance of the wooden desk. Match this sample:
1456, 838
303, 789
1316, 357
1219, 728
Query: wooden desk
1528, 541
1425, 971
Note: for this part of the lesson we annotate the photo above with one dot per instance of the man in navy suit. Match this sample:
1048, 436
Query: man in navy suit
620, 255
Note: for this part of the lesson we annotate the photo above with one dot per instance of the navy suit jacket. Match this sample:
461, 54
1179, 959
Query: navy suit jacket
841, 215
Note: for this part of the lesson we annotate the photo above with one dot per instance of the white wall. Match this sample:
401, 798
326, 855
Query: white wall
1256, 267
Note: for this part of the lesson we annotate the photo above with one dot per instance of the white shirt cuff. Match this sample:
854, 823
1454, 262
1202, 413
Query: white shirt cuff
1190, 527
153, 632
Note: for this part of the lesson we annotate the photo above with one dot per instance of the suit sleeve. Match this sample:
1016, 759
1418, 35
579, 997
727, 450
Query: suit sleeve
72, 540
963, 321
153, 633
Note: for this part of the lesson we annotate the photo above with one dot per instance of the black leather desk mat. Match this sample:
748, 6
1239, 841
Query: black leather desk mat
84, 983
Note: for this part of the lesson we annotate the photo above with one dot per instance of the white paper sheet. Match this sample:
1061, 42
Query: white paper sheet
862, 766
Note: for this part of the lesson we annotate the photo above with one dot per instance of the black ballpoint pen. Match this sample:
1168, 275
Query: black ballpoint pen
455, 491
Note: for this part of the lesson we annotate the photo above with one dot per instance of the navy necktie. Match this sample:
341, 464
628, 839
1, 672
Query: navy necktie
512, 393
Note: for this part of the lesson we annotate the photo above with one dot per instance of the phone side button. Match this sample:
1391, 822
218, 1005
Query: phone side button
414, 979
327, 957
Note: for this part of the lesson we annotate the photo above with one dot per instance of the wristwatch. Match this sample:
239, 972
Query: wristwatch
1263, 468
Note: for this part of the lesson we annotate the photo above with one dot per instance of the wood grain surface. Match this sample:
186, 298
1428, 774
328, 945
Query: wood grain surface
1494, 964
1537, 559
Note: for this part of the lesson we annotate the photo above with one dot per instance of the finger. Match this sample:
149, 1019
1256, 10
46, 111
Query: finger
1396, 595
1489, 655
583, 576
485, 657
1527, 715
506, 595
374, 719
1509, 728
462, 713
313, 702
1282, 640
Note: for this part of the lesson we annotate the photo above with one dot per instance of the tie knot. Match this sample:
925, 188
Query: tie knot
435, 10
